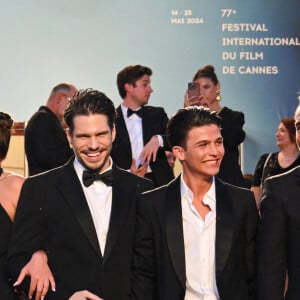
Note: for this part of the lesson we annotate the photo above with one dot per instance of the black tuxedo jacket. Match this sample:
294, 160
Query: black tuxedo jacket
278, 243
154, 122
159, 258
53, 215
46, 144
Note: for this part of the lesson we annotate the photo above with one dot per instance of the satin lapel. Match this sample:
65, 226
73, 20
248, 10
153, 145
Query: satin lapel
122, 132
224, 227
174, 229
71, 190
121, 200
298, 175
146, 124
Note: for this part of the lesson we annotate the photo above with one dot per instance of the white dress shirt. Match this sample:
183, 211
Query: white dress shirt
135, 130
99, 199
199, 246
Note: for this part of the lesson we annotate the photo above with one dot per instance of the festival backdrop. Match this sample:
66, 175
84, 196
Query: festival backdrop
254, 46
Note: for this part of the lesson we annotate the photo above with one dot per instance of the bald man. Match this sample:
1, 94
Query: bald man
46, 144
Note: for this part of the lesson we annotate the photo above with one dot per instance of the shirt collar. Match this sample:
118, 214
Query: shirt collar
209, 198
125, 108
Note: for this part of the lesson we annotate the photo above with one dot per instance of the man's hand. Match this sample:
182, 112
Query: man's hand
141, 171
84, 295
40, 275
150, 150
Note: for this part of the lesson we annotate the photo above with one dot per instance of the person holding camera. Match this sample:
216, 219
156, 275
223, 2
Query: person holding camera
205, 91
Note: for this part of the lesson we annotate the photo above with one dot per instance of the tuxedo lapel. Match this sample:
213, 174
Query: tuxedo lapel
297, 172
121, 199
72, 191
174, 229
122, 132
224, 227
146, 124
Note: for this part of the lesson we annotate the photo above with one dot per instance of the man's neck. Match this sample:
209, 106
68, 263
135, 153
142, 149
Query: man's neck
130, 103
199, 185
52, 108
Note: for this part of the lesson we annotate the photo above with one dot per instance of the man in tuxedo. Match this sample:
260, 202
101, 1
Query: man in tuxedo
140, 142
195, 237
46, 144
81, 214
278, 244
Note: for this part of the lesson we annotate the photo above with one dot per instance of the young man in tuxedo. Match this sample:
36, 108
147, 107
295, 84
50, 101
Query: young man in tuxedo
83, 213
140, 142
195, 237
278, 244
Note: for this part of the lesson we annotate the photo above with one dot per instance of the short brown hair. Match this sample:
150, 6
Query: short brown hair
289, 124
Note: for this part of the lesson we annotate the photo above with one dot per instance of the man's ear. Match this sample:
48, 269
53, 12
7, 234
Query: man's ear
113, 133
69, 135
59, 97
179, 152
128, 87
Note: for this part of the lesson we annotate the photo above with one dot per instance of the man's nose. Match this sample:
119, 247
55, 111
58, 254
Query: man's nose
93, 143
214, 149
150, 89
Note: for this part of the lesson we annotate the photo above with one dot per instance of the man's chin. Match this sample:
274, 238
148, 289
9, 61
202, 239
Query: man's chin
94, 168
91, 167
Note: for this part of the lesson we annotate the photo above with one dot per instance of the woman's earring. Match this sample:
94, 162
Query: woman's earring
218, 97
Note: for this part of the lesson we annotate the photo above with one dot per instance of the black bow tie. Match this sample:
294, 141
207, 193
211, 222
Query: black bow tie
88, 177
137, 112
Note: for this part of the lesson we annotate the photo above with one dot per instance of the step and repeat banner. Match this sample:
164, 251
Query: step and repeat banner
254, 46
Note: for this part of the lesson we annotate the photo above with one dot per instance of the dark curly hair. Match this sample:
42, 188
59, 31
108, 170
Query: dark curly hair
6, 123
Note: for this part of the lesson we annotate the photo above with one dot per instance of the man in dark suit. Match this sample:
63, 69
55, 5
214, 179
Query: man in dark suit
140, 142
86, 227
46, 144
278, 244
195, 237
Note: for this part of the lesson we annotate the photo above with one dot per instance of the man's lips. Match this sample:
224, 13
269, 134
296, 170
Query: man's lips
212, 161
94, 154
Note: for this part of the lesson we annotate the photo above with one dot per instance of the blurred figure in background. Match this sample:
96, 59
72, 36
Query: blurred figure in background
270, 164
208, 95
46, 143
